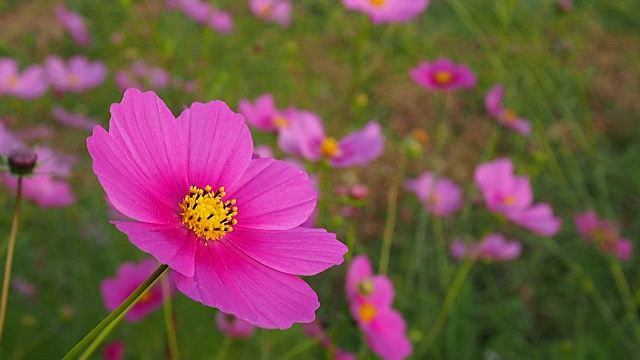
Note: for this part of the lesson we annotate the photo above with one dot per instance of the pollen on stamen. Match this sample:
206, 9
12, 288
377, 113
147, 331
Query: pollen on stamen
206, 214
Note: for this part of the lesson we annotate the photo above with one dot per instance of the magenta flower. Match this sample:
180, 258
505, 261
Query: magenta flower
73, 120
605, 234
78, 75
494, 247
74, 23
228, 225
277, 11
129, 277
234, 327
263, 113
142, 76
511, 196
113, 351
505, 116
388, 11
221, 21
29, 84
443, 74
204, 14
370, 298
305, 137
441, 196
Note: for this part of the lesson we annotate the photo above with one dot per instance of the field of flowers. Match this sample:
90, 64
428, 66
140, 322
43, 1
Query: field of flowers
394, 179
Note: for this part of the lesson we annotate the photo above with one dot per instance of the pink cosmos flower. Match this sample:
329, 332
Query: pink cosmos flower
505, 116
75, 25
129, 277
370, 298
277, 11
388, 11
47, 187
228, 225
204, 14
263, 113
221, 21
512, 197
78, 75
605, 234
73, 120
315, 331
443, 74
440, 196
262, 151
494, 247
305, 137
234, 327
142, 76
113, 351
30, 84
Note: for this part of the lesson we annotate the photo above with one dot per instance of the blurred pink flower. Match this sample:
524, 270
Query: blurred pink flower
264, 115
24, 287
305, 137
605, 234
512, 197
388, 11
204, 14
129, 277
73, 120
277, 11
262, 151
142, 77
238, 248
443, 74
76, 75
505, 116
29, 84
113, 351
441, 196
315, 331
494, 247
75, 25
370, 298
221, 21
234, 327
47, 187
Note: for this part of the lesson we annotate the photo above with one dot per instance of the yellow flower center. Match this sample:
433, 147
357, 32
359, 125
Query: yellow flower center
265, 10
13, 81
280, 122
509, 115
377, 2
204, 212
146, 297
367, 312
443, 77
73, 79
509, 200
365, 287
434, 199
329, 147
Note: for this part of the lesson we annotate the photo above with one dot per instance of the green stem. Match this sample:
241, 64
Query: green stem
172, 339
351, 239
625, 294
452, 295
392, 207
119, 312
224, 348
10, 250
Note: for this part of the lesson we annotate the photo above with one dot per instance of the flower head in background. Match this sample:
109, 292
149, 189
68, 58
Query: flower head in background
77, 121
494, 247
444, 75
143, 77
204, 14
511, 196
30, 84
234, 327
370, 298
505, 116
605, 234
388, 11
113, 350
440, 196
277, 11
263, 113
77, 75
314, 330
227, 224
74, 23
129, 277
305, 137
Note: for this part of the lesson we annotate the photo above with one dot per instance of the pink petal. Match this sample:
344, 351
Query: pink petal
272, 195
386, 335
493, 100
360, 147
172, 244
299, 251
227, 279
359, 269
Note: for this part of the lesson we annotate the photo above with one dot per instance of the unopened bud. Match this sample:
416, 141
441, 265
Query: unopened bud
22, 161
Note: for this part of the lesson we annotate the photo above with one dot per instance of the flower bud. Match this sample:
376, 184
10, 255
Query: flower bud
22, 161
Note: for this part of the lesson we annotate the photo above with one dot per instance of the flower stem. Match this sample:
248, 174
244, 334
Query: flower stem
449, 301
625, 294
10, 250
115, 316
351, 239
172, 339
392, 207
